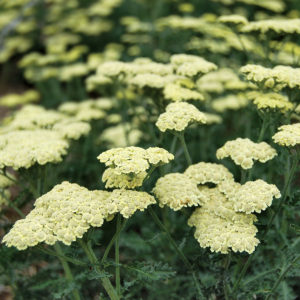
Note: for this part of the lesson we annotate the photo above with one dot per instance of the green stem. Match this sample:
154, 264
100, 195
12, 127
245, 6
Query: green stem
262, 129
242, 273
94, 261
117, 256
185, 148
112, 241
243, 176
67, 270
149, 173
178, 250
282, 275
225, 275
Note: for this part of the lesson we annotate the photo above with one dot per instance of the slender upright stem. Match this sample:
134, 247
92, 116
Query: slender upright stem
185, 148
262, 129
117, 255
94, 261
67, 270
243, 176
112, 241
178, 250
225, 275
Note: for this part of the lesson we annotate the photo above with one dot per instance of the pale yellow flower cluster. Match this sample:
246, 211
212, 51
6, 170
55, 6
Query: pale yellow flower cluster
128, 166
212, 118
285, 26
273, 101
71, 129
229, 102
277, 6
225, 219
288, 135
191, 65
32, 117
68, 211
277, 78
175, 92
12, 100
134, 159
253, 196
178, 116
66, 73
177, 190
121, 135
113, 179
5, 183
221, 234
233, 20
203, 172
128, 202
63, 214
24, 148
87, 110
223, 79
154, 81
243, 152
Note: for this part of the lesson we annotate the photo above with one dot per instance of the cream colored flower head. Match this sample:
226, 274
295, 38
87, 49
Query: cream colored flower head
114, 180
94, 81
218, 204
229, 102
128, 202
222, 235
112, 68
233, 20
116, 136
154, 81
270, 101
177, 190
12, 100
285, 26
212, 118
87, 110
253, 196
63, 214
175, 92
191, 65
243, 152
134, 159
204, 172
22, 149
288, 135
72, 129
35, 116
178, 116
276, 78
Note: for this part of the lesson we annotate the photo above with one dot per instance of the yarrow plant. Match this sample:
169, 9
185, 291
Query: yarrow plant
149, 150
